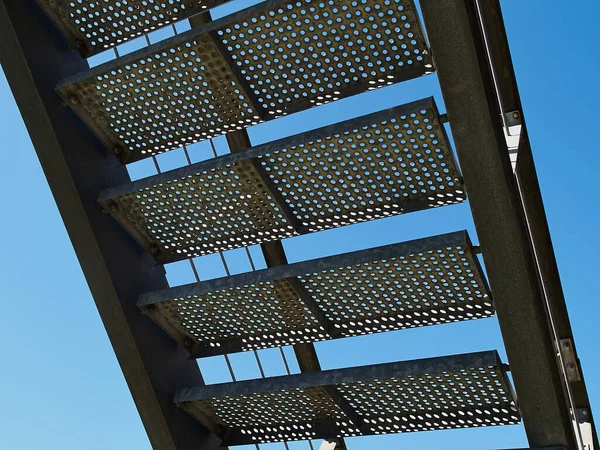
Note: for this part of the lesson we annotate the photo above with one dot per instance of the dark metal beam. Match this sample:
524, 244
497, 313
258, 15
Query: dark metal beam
463, 70
529, 188
542, 243
35, 57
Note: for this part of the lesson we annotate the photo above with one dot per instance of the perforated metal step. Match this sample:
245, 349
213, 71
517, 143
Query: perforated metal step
272, 59
392, 162
416, 283
461, 391
96, 25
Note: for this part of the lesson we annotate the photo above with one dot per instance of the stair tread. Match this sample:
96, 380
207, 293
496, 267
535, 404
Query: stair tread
459, 391
422, 282
392, 162
99, 25
240, 70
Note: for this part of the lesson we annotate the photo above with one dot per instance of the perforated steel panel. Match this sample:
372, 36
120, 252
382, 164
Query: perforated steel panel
434, 286
392, 162
417, 283
169, 97
275, 416
460, 391
269, 60
95, 25
467, 398
213, 210
311, 51
367, 171
266, 314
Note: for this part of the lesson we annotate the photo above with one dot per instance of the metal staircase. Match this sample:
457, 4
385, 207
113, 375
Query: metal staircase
273, 59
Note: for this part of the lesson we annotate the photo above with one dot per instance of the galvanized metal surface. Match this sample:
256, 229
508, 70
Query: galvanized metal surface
417, 283
215, 78
531, 195
388, 398
95, 25
463, 68
391, 162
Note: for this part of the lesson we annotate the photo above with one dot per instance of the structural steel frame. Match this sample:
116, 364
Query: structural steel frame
469, 48
508, 214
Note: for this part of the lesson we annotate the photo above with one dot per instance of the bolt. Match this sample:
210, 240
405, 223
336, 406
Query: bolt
113, 206
74, 99
516, 115
154, 250
187, 342
117, 149
571, 366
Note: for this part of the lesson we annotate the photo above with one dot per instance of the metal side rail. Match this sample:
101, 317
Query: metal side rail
97, 25
469, 390
394, 161
269, 60
411, 284
533, 205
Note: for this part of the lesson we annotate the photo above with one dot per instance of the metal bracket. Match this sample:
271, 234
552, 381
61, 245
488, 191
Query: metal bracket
513, 118
513, 122
329, 444
584, 423
568, 355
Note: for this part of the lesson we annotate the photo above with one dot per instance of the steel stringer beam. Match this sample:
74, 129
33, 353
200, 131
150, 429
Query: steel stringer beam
467, 86
529, 188
35, 56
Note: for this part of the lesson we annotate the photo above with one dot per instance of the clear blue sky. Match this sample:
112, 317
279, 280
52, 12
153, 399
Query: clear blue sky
60, 384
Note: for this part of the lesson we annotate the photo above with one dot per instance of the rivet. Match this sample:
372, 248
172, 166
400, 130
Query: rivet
516, 114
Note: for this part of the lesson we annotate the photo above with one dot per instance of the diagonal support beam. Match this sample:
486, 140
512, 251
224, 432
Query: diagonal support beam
312, 305
274, 255
468, 90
